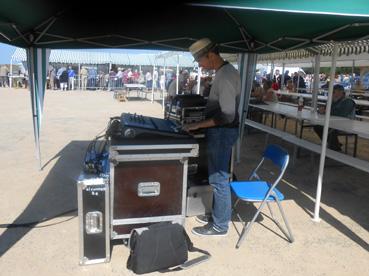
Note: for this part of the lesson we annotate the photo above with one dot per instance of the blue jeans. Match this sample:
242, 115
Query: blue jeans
219, 145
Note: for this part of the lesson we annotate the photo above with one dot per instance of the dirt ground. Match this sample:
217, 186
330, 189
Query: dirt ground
338, 245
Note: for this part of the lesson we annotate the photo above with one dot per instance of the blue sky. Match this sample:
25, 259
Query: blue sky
6, 51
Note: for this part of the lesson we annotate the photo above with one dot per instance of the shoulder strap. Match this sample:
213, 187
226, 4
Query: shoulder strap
204, 257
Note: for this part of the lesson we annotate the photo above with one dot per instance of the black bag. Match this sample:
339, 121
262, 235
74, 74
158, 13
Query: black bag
161, 246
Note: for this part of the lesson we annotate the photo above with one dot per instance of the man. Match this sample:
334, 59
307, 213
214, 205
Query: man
299, 82
71, 76
286, 77
341, 106
4, 76
277, 79
83, 76
222, 131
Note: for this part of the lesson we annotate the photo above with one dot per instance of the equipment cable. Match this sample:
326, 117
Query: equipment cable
33, 223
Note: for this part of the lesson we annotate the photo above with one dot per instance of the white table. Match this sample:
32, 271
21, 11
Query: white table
296, 95
360, 128
322, 98
129, 86
291, 112
360, 93
338, 156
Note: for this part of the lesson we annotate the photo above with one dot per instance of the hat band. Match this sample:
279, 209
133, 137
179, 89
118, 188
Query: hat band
204, 51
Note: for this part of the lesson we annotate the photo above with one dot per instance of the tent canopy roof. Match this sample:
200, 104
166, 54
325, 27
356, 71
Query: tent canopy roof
105, 57
238, 26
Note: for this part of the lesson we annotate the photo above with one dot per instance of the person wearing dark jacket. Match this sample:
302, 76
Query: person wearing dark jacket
342, 107
63, 79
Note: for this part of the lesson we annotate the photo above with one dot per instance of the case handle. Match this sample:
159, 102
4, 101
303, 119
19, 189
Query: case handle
146, 189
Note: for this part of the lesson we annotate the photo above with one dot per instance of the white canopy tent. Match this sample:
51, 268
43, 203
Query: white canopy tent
325, 61
106, 57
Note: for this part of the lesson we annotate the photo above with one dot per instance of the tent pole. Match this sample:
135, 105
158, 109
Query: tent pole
298, 81
177, 79
79, 76
272, 71
325, 135
198, 80
247, 65
11, 73
315, 84
352, 75
152, 86
163, 92
32, 87
282, 79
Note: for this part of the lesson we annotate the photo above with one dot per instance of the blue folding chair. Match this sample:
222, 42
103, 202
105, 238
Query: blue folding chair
262, 191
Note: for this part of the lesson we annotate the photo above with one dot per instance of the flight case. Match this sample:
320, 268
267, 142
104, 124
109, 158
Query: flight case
94, 218
148, 182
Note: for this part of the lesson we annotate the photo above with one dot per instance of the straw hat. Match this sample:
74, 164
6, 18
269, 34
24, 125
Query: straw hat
201, 47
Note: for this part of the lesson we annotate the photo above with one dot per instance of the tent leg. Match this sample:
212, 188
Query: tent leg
325, 136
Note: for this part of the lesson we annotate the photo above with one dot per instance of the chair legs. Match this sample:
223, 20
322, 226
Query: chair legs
247, 226
346, 143
289, 235
355, 145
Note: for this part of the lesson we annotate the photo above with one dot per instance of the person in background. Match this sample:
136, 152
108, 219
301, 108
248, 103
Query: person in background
221, 126
52, 76
257, 91
289, 86
172, 89
277, 78
342, 107
155, 79
4, 76
162, 82
286, 77
206, 86
275, 85
290, 89
83, 75
71, 76
148, 78
299, 82
268, 92
63, 79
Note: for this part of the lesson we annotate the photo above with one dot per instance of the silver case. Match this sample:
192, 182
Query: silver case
84, 181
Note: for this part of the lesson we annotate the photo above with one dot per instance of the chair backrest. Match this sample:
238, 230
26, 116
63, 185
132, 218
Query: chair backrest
277, 155
279, 158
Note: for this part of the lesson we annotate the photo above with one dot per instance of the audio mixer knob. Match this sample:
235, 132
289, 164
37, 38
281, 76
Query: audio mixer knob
129, 133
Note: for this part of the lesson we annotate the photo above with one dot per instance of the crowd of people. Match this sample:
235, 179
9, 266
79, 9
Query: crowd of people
266, 91
20, 80
90, 78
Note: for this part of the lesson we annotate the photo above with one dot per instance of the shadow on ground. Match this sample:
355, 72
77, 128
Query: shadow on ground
57, 195
344, 188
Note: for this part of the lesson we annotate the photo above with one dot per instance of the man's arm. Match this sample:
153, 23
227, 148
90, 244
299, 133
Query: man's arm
203, 124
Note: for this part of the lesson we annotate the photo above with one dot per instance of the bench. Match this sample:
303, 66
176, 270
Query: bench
340, 157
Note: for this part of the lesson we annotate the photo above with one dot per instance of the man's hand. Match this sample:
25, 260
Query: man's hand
190, 127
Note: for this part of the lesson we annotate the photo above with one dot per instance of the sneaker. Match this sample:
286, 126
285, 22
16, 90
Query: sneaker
204, 219
208, 230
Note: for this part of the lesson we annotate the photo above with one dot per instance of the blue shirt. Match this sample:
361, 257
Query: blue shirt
71, 73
